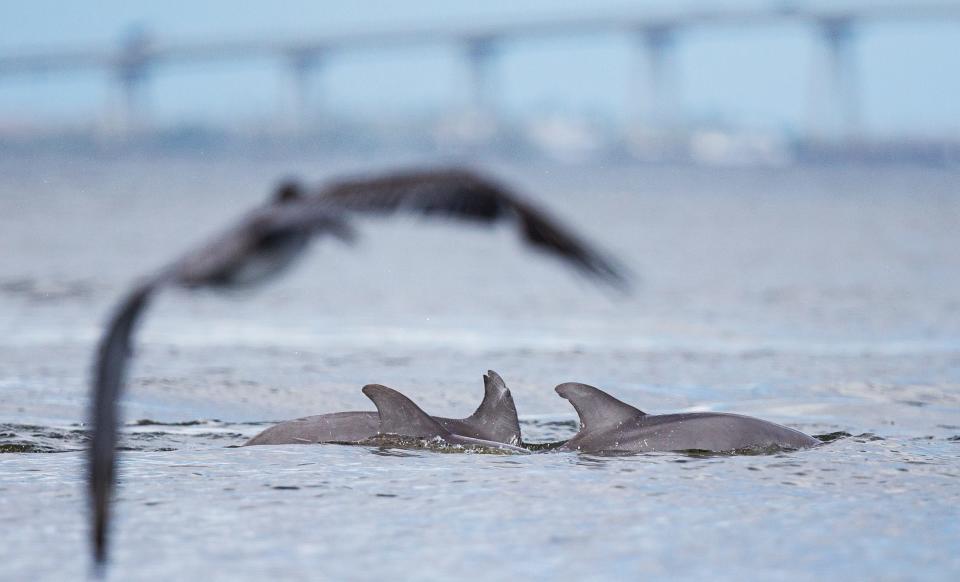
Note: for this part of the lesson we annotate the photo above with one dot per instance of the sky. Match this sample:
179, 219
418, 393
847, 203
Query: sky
750, 77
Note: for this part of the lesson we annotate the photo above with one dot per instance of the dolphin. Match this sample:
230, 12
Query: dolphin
609, 425
495, 420
401, 420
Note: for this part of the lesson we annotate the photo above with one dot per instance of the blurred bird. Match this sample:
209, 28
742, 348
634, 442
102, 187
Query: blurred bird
271, 237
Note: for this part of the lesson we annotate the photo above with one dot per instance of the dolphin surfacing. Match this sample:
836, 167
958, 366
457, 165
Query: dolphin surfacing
336, 427
494, 420
401, 418
609, 425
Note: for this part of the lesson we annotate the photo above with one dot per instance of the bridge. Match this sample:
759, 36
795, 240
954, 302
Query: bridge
140, 56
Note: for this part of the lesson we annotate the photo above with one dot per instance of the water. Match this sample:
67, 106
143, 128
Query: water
825, 299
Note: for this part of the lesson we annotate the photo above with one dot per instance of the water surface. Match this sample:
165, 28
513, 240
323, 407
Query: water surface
824, 299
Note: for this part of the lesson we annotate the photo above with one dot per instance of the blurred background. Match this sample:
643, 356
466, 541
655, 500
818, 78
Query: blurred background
716, 82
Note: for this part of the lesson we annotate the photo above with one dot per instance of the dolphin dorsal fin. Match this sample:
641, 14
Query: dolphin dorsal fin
597, 409
497, 414
400, 416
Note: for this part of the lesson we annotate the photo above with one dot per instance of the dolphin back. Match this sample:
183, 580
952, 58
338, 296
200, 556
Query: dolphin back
399, 415
337, 427
496, 418
610, 425
598, 411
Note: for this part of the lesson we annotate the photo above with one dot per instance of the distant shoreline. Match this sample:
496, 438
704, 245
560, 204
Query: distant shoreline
693, 147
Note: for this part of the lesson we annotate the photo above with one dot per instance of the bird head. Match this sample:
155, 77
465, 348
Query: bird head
288, 191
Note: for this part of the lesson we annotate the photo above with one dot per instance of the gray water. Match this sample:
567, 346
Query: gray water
824, 299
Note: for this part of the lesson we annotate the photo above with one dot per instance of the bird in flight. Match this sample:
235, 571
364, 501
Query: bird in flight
271, 237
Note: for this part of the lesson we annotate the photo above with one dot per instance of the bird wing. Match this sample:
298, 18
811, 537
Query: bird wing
465, 195
207, 263
111, 364
198, 267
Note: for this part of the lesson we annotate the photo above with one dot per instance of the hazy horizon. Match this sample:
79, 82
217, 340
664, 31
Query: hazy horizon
752, 78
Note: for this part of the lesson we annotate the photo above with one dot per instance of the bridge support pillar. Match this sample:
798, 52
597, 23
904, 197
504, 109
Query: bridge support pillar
480, 54
304, 70
654, 95
132, 71
130, 112
836, 113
